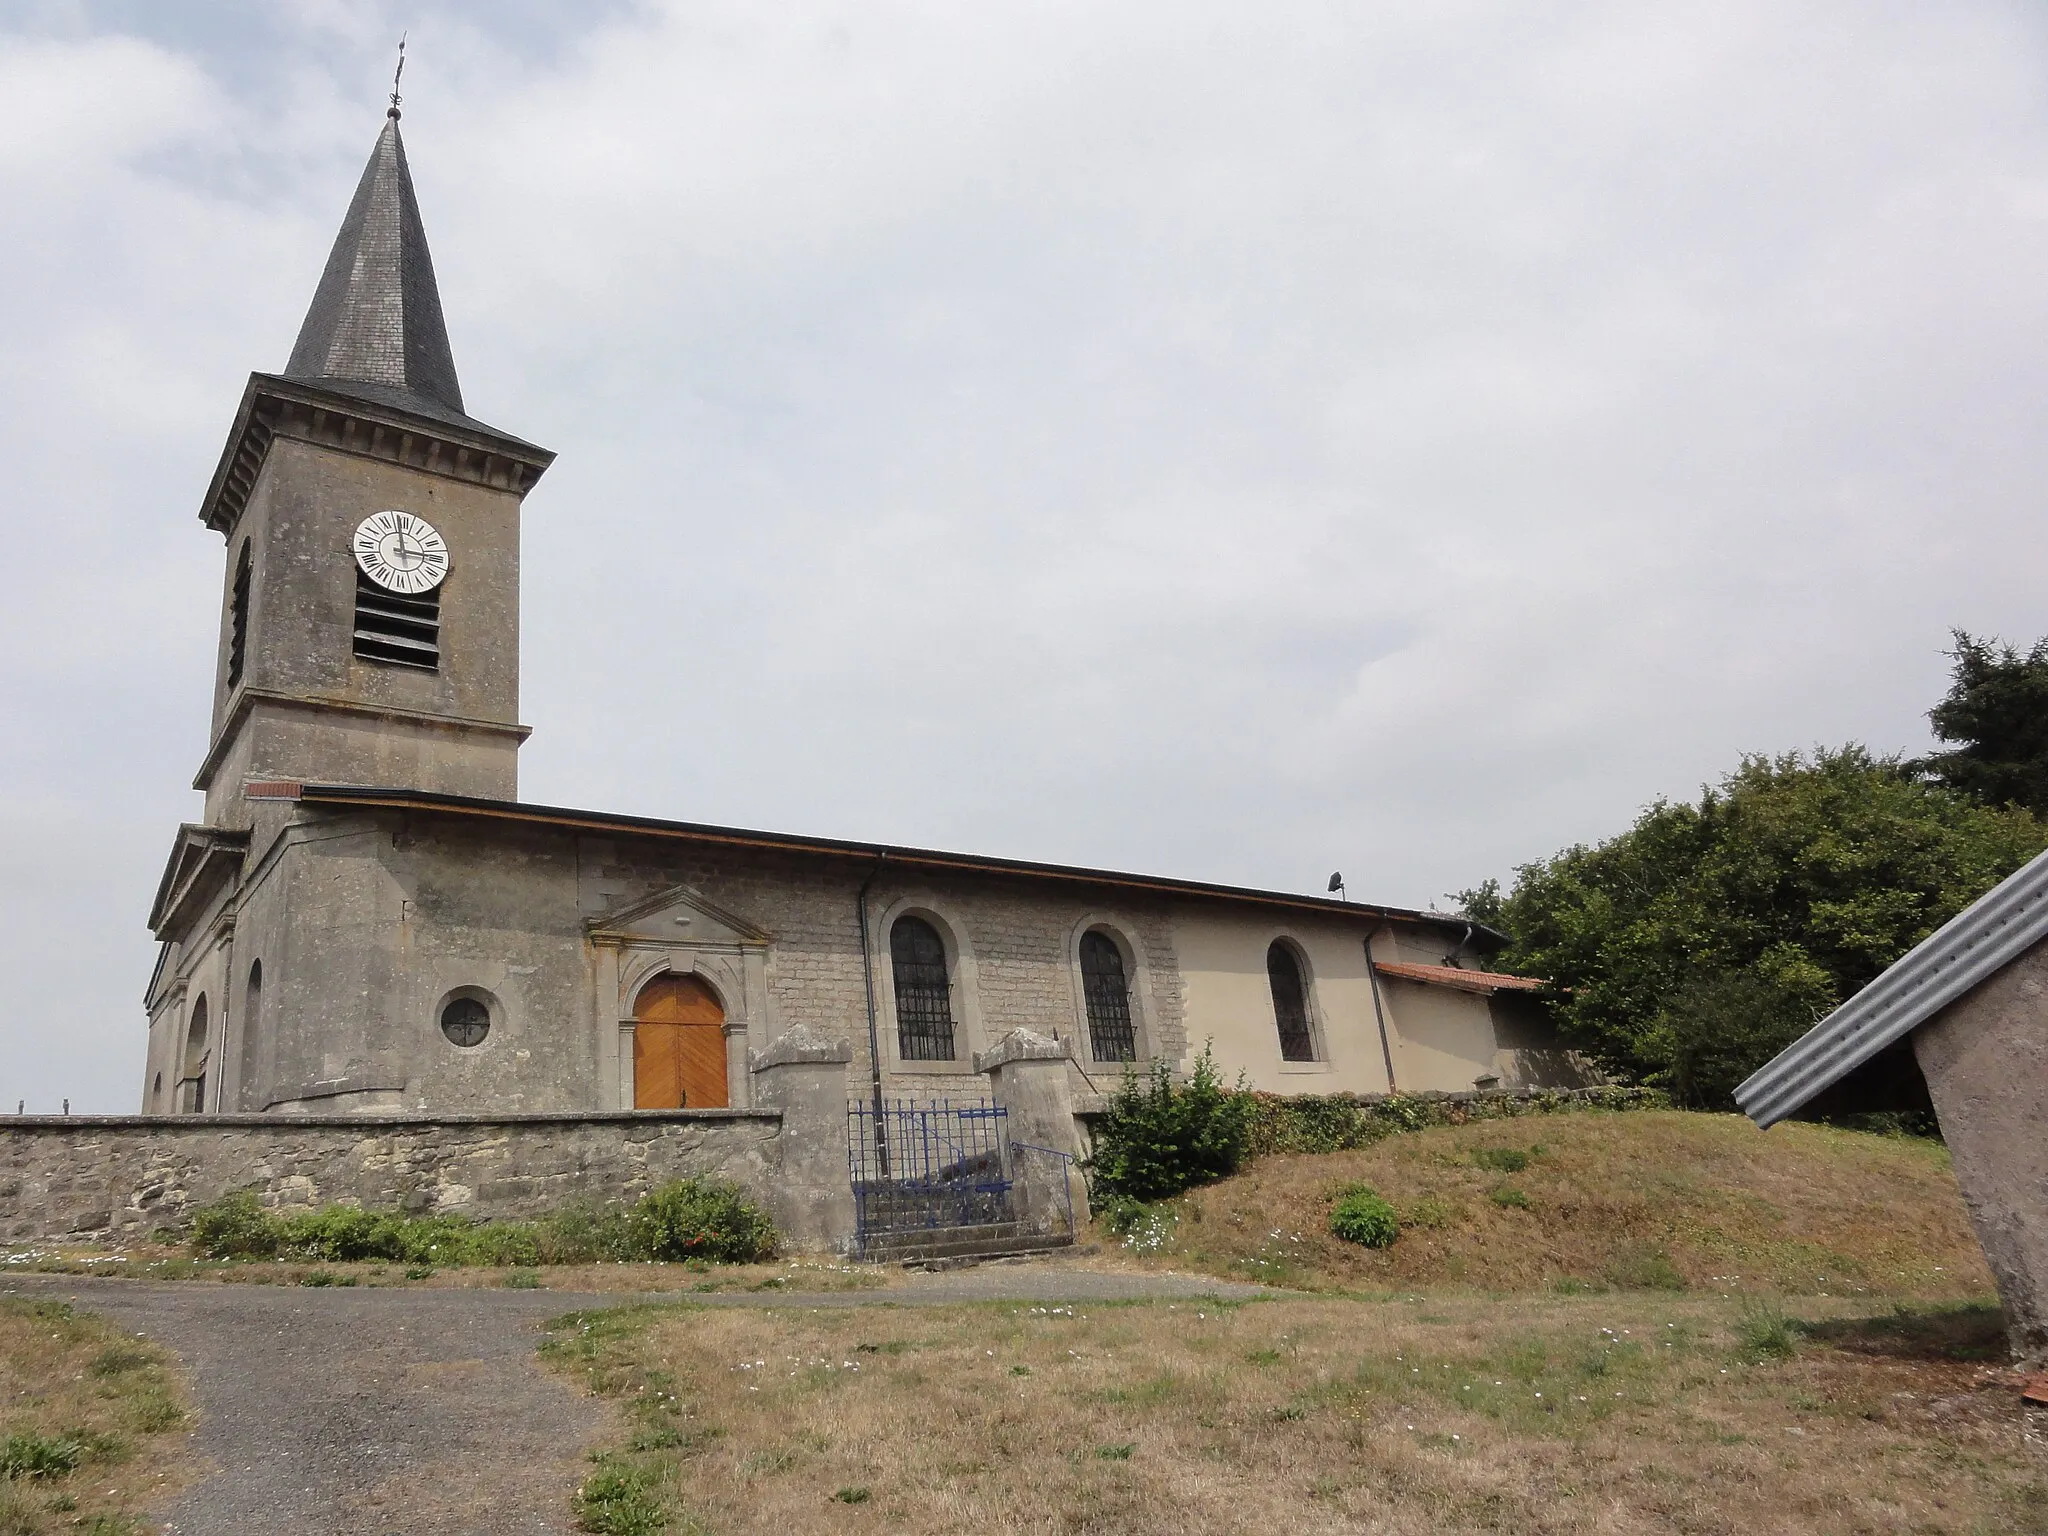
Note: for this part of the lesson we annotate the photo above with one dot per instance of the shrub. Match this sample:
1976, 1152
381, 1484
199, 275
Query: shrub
1159, 1137
497, 1243
581, 1234
1361, 1216
690, 1219
701, 1219
1508, 1198
1340, 1122
342, 1233
234, 1227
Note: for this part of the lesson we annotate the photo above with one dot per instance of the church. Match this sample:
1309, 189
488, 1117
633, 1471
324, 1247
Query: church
368, 919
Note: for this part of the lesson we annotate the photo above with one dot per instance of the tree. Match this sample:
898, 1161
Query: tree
1997, 708
1691, 948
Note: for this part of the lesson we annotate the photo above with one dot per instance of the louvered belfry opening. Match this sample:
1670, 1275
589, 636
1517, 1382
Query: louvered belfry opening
1107, 992
238, 618
1290, 1004
924, 992
395, 628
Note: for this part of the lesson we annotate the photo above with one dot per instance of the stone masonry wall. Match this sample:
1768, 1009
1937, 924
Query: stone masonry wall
1018, 933
122, 1178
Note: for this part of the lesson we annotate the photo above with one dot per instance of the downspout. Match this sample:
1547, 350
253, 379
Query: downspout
867, 976
1452, 958
1372, 975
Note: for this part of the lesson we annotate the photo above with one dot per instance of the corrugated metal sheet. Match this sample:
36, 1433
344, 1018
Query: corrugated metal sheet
1975, 944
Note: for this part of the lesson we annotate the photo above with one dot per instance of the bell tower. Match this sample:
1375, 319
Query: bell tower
369, 627
369, 636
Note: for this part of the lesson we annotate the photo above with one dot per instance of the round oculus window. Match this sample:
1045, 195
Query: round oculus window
466, 1021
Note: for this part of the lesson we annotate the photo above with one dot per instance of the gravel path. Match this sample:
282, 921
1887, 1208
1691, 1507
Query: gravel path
358, 1409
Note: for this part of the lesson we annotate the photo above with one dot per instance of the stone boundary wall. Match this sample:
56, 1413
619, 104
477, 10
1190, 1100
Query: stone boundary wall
122, 1178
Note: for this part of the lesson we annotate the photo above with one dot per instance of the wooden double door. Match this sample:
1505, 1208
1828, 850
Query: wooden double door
678, 1046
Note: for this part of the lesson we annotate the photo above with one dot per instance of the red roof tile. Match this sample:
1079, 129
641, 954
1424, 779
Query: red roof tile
1485, 983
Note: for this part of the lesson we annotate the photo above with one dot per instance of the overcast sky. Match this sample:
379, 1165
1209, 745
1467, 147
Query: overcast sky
1233, 441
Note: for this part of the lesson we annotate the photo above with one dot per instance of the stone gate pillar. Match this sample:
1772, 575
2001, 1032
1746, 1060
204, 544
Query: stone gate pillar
1027, 1076
804, 1075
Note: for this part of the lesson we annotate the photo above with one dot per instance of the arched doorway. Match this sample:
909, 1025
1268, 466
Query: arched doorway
678, 1046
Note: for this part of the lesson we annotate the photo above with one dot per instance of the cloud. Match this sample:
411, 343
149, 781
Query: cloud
1230, 443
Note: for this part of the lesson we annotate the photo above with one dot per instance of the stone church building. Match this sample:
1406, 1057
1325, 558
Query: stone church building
368, 918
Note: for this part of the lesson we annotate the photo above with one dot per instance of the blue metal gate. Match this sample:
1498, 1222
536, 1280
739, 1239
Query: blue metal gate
921, 1167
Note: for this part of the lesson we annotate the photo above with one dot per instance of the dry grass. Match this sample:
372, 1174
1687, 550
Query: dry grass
1615, 1414
1646, 1200
90, 1423
156, 1262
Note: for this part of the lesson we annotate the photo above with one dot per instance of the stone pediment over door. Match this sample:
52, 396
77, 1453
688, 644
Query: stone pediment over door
677, 915
678, 933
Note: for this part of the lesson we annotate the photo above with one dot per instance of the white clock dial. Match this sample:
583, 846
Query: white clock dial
400, 552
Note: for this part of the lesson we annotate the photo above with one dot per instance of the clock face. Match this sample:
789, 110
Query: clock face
401, 553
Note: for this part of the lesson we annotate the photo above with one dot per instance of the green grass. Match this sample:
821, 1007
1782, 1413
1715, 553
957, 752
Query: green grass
1501, 1159
1764, 1332
31, 1455
622, 1498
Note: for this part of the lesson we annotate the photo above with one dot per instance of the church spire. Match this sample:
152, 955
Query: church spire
376, 316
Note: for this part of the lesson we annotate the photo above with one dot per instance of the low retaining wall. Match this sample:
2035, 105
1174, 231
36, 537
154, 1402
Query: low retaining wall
125, 1177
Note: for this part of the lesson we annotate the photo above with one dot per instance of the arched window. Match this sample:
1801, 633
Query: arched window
1290, 1004
195, 1057
238, 618
156, 1094
1107, 993
252, 1005
924, 991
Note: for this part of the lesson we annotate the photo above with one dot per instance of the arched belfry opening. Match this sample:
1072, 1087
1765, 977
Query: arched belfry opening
679, 1046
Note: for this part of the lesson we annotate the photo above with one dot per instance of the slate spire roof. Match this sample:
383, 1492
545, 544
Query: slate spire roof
375, 327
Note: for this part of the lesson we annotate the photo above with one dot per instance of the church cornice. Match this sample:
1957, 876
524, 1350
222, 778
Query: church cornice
248, 699
202, 861
896, 858
348, 417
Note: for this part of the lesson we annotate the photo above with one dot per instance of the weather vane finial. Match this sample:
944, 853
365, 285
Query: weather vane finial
396, 75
